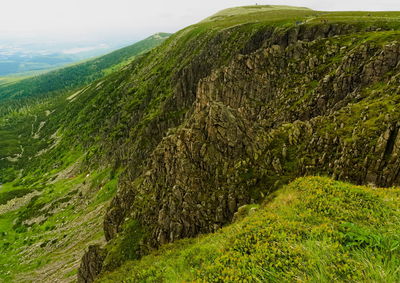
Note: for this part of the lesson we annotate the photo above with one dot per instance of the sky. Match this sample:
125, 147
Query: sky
96, 20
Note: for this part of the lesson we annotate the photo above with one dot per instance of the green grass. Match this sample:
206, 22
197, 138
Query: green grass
53, 227
288, 15
312, 230
240, 11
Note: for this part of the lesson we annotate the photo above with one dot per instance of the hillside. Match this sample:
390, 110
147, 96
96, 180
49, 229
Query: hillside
221, 115
23, 92
26, 105
249, 10
312, 230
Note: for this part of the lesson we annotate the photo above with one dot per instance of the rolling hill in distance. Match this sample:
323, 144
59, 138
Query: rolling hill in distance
76, 75
21, 58
259, 145
30, 55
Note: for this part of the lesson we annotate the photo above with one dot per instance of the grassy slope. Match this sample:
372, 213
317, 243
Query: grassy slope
313, 230
46, 220
44, 232
246, 10
289, 15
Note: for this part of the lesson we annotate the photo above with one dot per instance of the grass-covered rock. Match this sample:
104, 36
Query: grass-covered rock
312, 230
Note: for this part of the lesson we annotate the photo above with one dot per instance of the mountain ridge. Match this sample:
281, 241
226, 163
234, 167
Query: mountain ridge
251, 9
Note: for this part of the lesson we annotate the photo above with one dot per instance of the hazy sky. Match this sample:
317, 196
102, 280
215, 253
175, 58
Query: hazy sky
96, 19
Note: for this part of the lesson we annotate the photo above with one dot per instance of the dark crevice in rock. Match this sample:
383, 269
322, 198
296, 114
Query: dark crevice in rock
390, 143
91, 264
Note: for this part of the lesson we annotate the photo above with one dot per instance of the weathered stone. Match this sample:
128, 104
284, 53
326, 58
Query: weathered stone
91, 264
246, 125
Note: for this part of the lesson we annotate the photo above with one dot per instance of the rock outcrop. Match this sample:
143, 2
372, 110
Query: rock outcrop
91, 264
278, 110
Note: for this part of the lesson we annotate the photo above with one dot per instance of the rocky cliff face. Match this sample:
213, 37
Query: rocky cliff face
91, 264
310, 99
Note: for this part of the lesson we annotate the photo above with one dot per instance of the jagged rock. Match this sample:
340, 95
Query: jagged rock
246, 127
91, 264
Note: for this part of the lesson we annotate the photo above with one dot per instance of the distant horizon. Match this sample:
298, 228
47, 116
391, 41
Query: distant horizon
123, 20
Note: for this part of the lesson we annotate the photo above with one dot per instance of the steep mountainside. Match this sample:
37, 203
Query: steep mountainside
276, 110
219, 116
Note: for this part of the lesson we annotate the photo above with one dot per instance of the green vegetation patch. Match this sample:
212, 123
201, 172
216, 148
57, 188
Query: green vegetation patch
314, 230
54, 226
239, 11
6, 196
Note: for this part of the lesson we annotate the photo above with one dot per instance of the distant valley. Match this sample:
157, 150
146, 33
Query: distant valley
27, 58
